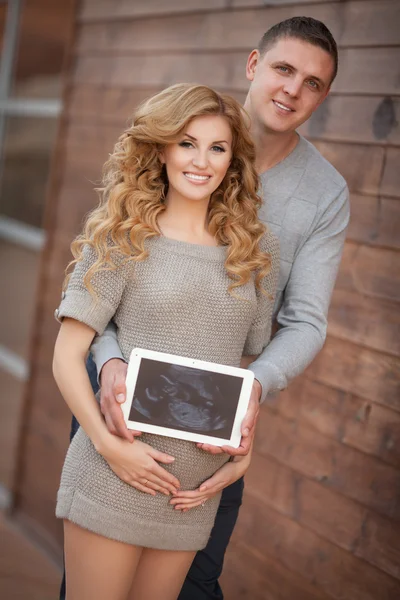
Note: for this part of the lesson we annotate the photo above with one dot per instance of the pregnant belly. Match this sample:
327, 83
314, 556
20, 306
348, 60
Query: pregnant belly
192, 466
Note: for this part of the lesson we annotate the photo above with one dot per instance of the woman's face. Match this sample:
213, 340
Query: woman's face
197, 164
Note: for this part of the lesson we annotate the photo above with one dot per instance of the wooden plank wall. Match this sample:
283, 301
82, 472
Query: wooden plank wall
322, 508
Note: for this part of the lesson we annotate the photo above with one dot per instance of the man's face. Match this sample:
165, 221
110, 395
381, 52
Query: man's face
287, 84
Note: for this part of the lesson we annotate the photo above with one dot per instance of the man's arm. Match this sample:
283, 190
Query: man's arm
105, 347
111, 374
302, 318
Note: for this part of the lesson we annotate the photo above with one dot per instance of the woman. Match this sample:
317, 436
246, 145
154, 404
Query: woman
176, 255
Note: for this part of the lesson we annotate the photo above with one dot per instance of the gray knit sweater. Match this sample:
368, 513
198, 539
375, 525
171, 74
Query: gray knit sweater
175, 301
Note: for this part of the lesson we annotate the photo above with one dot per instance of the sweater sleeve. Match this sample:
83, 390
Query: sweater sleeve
95, 310
302, 319
260, 331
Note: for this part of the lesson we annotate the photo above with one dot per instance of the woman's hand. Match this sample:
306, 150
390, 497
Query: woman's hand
135, 463
226, 475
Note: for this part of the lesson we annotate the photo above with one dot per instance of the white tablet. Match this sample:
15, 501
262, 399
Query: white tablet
185, 398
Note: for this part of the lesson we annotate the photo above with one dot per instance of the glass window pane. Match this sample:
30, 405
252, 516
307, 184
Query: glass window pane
44, 30
26, 160
19, 269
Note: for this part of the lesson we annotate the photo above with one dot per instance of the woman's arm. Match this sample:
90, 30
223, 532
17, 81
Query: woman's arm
133, 463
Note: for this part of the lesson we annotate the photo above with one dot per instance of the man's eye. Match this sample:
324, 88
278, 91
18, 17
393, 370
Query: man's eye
218, 149
283, 69
186, 144
313, 84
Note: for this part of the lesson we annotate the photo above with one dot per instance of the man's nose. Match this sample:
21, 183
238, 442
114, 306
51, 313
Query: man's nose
293, 87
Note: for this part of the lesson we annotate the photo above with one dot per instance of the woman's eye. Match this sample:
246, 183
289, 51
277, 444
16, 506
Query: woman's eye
283, 69
218, 149
186, 144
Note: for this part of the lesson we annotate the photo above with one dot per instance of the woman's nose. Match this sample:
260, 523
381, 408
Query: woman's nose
200, 160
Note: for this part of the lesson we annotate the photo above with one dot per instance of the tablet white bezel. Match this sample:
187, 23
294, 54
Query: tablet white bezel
133, 370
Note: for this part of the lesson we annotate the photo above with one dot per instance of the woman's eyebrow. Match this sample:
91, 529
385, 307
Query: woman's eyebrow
195, 140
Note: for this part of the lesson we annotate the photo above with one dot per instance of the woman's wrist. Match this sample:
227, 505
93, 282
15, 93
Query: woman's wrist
103, 442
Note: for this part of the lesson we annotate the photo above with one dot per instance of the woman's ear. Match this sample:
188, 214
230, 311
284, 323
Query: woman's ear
161, 157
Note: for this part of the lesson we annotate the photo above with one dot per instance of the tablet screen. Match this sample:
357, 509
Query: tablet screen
185, 398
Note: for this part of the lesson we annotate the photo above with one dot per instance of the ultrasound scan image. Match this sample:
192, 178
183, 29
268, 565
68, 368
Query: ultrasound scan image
185, 398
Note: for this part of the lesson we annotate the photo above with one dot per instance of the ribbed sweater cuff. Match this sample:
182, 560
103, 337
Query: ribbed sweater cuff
269, 376
82, 307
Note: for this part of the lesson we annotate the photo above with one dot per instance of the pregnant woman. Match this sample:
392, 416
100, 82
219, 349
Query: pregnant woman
176, 256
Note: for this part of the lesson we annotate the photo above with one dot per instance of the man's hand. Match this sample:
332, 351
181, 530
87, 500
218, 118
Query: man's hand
247, 429
226, 475
112, 395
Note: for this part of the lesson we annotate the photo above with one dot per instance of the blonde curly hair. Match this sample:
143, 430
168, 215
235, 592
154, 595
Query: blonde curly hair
135, 185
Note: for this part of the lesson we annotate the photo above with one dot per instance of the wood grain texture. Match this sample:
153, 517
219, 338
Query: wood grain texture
358, 120
250, 575
370, 271
369, 160
356, 23
228, 68
343, 469
370, 322
367, 373
369, 120
102, 10
25, 572
342, 416
333, 570
337, 519
391, 176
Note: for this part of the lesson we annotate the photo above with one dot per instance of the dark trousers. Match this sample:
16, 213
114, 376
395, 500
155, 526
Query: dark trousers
201, 582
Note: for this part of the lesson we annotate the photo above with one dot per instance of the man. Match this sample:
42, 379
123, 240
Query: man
306, 205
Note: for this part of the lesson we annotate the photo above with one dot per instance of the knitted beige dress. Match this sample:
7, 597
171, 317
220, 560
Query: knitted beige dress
175, 301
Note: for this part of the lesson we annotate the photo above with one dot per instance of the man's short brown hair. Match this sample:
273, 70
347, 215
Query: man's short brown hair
302, 28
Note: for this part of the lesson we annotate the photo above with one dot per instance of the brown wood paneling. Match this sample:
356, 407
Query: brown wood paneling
105, 104
342, 416
364, 179
356, 119
250, 575
158, 71
229, 69
242, 29
10, 408
331, 516
367, 373
377, 272
257, 3
370, 271
370, 322
368, 71
342, 526
374, 220
380, 544
333, 570
364, 224
99, 10
343, 469
391, 176
389, 223
25, 572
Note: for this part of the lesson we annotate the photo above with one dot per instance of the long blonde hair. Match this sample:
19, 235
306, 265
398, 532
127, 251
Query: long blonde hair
135, 186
